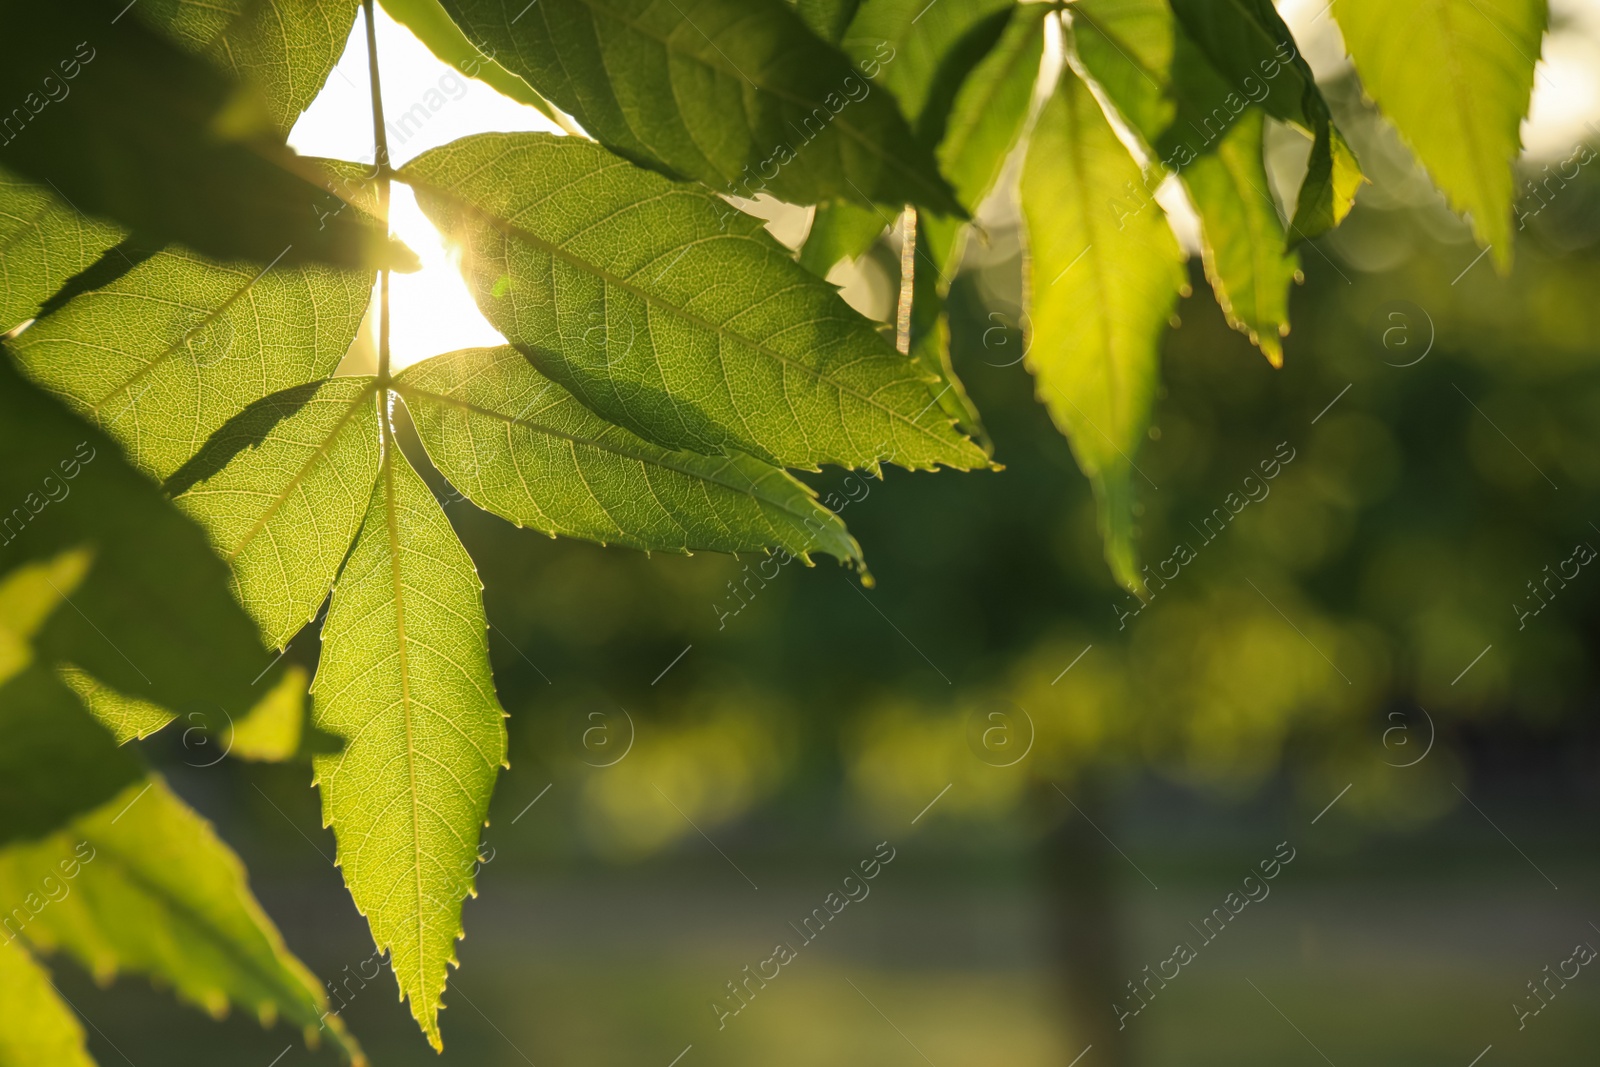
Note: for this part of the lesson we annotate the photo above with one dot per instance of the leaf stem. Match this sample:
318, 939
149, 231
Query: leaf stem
380, 140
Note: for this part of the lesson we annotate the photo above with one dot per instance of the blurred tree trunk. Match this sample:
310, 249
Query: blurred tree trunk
1076, 867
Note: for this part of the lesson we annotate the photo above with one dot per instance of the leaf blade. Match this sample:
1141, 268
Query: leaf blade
616, 283
709, 88
1456, 80
517, 444
379, 683
1094, 345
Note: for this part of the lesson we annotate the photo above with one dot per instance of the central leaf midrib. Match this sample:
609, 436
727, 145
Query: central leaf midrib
514, 230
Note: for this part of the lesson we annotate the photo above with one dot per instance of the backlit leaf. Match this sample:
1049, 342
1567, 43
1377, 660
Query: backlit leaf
434, 28
285, 48
42, 1031
1199, 125
404, 681
282, 488
665, 310
146, 886
1455, 78
716, 90
520, 446
1099, 292
840, 230
43, 242
1242, 238
174, 345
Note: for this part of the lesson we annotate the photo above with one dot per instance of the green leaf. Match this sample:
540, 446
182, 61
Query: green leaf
146, 885
164, 143
282, 488
154, 617
1099, 292
985, 122
434, 28
665, 310
840, 230
1249, 43
721, 91
1192, 119
1455, 77
931, 49
1242, 238
519, 445
284, 48
990, 110
128, 718
271, 731
41, 1030
105, 863
43, 243
167, 351
57, 762
827, 18
405, 682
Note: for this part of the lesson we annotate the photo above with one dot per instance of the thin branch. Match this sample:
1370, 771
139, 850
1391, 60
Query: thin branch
380, 139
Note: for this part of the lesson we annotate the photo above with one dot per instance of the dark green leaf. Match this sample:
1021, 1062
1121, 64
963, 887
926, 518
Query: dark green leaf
827, 18
127, 127
738, 94
154, 618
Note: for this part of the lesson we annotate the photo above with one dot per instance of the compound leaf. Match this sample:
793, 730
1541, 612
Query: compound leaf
666, 311
404, 681
519, 445
715, 90
1099, 292
1455, 77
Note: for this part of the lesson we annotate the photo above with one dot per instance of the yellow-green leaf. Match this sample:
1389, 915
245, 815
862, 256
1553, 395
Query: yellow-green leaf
40, 1028
1100, 290
1242, 240
1455, 77
404, 682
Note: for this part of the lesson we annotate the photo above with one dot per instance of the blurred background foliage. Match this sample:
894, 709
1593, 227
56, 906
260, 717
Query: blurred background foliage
672, 718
